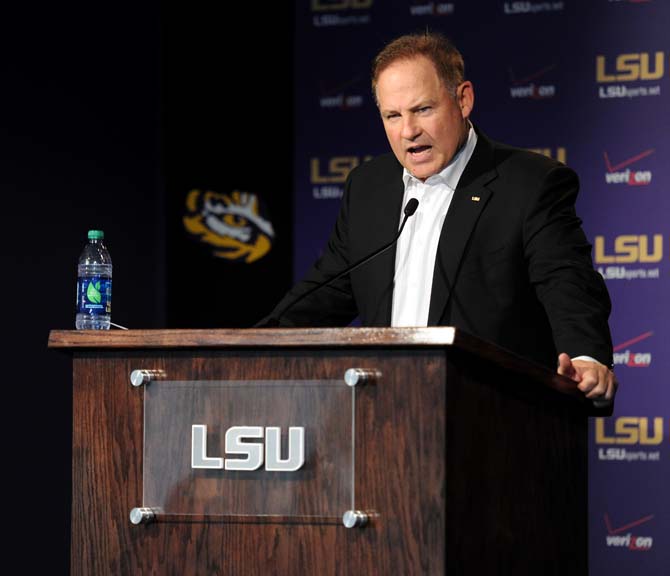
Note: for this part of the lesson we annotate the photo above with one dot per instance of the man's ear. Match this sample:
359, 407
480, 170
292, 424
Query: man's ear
465, 97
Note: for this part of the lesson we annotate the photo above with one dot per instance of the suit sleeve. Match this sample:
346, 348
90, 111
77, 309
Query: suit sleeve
561, 271
331, 305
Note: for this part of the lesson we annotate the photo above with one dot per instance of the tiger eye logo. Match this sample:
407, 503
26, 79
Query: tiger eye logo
232, 224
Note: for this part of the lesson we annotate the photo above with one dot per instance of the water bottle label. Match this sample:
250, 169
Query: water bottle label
94, 295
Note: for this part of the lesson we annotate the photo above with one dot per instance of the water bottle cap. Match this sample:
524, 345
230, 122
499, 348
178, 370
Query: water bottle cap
96, 235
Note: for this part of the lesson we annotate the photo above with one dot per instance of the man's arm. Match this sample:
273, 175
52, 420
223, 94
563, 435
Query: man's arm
572, 292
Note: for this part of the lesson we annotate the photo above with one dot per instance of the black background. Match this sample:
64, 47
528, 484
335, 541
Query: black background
113, 111
228, 126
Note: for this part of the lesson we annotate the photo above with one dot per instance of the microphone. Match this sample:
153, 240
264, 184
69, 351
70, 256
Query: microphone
410, 209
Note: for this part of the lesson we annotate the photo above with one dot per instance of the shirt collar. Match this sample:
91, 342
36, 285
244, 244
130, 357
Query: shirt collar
453, 171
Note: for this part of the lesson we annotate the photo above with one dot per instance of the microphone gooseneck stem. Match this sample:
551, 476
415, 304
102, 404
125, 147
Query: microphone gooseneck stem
410, 209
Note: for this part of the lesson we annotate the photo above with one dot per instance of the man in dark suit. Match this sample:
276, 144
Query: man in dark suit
495, 246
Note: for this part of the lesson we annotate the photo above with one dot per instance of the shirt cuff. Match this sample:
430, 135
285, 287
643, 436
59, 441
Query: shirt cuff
588, 358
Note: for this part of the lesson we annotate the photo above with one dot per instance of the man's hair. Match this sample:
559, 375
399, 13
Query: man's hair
439, 50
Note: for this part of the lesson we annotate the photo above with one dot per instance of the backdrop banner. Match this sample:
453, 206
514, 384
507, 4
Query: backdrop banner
587, 83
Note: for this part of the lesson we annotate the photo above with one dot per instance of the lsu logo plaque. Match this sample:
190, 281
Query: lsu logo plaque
233, 225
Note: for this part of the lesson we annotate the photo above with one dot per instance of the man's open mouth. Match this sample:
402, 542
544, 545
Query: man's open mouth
418, 149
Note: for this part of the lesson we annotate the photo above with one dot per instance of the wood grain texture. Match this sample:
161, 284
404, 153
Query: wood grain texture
466, 461
399, 472
517, 475
70, 340
253, 337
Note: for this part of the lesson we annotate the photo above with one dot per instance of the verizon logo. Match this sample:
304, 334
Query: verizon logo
615, 538
617, 175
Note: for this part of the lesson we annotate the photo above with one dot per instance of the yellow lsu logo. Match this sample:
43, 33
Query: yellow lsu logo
337, 170
630, 430
631, 67
559, 153
230, 223
325, 6
630, 248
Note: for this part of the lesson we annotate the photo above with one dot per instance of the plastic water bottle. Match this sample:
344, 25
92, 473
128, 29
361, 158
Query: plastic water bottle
94, 285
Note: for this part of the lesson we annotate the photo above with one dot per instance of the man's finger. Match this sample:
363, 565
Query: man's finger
565, 366
589, 382
606, 387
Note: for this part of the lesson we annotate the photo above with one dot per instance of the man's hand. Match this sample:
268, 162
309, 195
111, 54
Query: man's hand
594, 379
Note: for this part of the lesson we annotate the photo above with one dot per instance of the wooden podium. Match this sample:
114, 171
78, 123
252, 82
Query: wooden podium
468, 459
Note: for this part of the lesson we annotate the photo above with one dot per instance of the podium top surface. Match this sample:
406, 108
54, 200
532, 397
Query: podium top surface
254, 337
333, 338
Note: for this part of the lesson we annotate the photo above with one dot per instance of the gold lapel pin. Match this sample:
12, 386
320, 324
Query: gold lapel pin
475, 198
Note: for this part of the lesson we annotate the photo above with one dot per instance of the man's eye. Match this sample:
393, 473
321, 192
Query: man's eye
392, 116
424, 109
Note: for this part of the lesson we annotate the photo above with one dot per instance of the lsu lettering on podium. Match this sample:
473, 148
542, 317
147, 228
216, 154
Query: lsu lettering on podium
253, 452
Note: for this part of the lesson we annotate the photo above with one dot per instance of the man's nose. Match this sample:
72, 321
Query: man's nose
410, 128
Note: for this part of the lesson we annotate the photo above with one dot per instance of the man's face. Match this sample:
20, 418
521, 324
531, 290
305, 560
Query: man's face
424, 123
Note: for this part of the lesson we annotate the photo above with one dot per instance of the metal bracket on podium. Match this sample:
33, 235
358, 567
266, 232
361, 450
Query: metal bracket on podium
143, 515
355, 519
141, 377
360, 376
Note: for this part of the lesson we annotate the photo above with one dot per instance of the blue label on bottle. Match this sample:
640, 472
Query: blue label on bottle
94, 295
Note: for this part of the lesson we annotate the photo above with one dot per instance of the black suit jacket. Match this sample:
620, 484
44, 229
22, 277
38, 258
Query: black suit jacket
513, 265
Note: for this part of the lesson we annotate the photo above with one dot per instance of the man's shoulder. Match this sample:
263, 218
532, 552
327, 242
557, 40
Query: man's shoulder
512, 158
384, 165
521, 173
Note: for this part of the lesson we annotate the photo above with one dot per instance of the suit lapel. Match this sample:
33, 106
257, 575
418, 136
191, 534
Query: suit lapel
384, 204
383, 229
470, 199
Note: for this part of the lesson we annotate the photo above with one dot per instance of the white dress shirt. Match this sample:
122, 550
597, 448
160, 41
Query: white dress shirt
417, 246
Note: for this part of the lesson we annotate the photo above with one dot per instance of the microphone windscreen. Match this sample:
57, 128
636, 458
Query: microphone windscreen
411, 206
